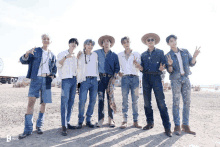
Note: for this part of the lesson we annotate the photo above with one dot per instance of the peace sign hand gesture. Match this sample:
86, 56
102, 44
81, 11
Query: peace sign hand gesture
196, 53
162, 67
170, 61
31, 51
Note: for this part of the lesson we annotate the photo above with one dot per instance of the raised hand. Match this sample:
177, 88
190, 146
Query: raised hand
196, 53
170, 61
31, 51
70, 55
79, 54
162, 67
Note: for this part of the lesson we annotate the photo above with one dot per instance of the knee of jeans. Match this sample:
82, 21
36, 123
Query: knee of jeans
161, 104
187, 102
100, 95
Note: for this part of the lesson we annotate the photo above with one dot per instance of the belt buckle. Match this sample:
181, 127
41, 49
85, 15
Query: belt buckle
104, 75
109, 76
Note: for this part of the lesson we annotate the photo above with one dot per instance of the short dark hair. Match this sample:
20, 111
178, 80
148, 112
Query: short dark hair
126, 37
169, 37
108, 39
72, 40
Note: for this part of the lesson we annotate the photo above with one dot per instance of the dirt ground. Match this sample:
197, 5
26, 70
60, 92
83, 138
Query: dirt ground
204, 120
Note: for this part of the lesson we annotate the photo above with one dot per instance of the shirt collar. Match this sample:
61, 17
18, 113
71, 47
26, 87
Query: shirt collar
149, 50
109, 51
177, 52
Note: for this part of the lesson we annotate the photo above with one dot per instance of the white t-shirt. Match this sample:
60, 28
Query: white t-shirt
127, 66
180, 62
44, 65
91, 65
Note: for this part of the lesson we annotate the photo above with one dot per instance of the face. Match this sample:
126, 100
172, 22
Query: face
106, 43
172, 43
45, 40
72, 45
126, 44
89, 46
150, 41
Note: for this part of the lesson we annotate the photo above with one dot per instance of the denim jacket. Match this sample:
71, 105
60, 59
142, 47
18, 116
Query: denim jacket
151, 62
186, 58
108, 64
34, 61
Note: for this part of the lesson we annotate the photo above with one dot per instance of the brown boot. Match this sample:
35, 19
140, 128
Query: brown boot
123, 125
135, 124
177, 130
186, 129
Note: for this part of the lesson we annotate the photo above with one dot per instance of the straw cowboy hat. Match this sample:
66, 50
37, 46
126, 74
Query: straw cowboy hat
106, 37
153, 35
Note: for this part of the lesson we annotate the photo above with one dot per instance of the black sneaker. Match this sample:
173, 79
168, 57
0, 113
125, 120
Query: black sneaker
89, 124
64, 131
168, 132
79, 126
21, 136
71, 127
39, 131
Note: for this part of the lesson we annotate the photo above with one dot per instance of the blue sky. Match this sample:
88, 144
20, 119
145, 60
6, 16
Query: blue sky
195, 23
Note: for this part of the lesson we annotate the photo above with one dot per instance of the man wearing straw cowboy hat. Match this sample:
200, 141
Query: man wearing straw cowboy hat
152, 64
108, 65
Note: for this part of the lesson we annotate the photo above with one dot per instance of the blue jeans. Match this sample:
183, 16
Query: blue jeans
91, 85
67, 99
181, 86
150, 82
102, 86
130, 82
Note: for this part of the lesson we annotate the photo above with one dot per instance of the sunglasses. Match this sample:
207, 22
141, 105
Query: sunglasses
150, 40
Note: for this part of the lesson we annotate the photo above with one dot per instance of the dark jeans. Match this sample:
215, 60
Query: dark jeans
150, 82
102, 86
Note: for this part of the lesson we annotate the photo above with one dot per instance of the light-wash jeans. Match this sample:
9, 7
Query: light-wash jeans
181, 86
91, 85
127, 83
67, 99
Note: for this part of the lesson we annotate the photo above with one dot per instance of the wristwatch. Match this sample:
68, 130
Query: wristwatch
65, 57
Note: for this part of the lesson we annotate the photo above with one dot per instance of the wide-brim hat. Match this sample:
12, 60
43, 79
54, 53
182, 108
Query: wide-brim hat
106, 37
153, 35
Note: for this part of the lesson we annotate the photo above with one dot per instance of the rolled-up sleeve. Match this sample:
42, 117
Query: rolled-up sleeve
59, 58
190, 59
117, 66
24, 60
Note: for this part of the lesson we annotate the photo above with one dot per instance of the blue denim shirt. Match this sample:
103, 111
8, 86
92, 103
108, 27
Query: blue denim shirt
151, 62
186, 58
108, 64
34, 61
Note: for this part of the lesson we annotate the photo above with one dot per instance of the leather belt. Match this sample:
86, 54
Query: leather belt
44, 75
105, 75
130, 75
153, 73
90, 77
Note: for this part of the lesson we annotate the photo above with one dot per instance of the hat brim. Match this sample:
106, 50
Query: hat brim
153, 35
106, 37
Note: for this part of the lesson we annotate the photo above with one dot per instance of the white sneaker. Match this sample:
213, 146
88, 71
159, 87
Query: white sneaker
111, 122
99, 123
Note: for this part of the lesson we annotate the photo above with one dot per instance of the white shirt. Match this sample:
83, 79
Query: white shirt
69, 67
179, 58
44, 64
127, 66
89, 69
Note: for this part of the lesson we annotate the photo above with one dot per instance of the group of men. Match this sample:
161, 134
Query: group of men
96, 71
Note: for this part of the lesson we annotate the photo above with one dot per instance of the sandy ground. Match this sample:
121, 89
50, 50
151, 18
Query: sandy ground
204, 120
